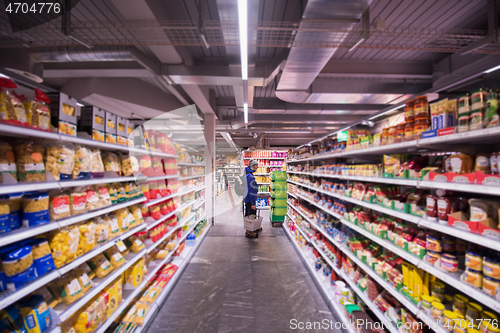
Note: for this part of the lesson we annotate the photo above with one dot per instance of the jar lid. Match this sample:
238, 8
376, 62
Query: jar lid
493, 261
474, 306
449, 256
438, 306
473, 254
461, 298
450, 314
489, 315
420, 97
431, 237
428, 298
472, 330
473, 271
491, 279
448, 298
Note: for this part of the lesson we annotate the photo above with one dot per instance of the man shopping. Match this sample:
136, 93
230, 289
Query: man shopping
251, 195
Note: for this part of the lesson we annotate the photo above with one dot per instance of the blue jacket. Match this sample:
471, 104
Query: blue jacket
251, 189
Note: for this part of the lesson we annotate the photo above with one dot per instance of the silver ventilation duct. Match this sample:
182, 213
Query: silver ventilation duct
304, 63
77, 54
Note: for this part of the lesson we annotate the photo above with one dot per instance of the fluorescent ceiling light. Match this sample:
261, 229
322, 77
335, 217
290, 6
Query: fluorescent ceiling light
245, 112
492, 69
205, 41
80, 104
243, 26
361, 40
381, 114
5, 76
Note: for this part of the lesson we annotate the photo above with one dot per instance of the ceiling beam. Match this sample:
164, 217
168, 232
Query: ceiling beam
337, 68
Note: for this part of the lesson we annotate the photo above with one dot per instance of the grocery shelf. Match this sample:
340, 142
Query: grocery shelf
263, 183
491, 243
65, 312
178, 194
181, 262
483, 135
161, 240
24, 233
261, 174
400, 297
292, 195
264, 158
9, 297
263, 192
98, 212
191, 177
162, 177
198, 205
191, 164
471, 188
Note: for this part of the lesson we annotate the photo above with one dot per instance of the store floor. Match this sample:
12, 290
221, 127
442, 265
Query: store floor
236, 284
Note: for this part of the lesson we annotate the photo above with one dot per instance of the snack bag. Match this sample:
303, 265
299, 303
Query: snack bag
29, 161
7, 161
83, 163
97, 164
11, 109
38, 110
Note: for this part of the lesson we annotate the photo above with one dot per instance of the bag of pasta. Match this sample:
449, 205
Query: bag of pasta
126, 165
100, 265
15, 207
16, 259
93, 202
101, 231
29, 162
87, 238
114, 257
69, 288
35, 209
7, 161
111, 163
59, 206
78, 201
123, 218
136, 211
112, 222
161, 254
112, 193
121, 196
129, 190
48, 296
39, 111
84, 279
64, 245
103, 194
42, 256
87, 270
60, 160
11, 108
4, 214
97, 164
134, 244
83, 163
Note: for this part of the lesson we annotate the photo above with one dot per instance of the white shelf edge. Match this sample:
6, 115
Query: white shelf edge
162, 177
175, 195
191, 164
24, 233
191, 177
166, 217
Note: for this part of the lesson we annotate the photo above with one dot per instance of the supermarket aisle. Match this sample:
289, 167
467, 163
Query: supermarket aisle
236, 284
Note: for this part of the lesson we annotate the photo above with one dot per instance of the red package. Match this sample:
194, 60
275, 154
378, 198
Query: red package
154, 212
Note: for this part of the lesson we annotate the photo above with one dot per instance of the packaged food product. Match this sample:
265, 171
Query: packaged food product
93, 315
64, 245
83, 279
449, 262
87, 238
460, 304
60, 160
48, 296
409, 111
449, 319
4, 214
35, 209
141, 312
11, 108
478, 98
42, 257
59, 206
473, 313
97, 164
15, 210
491, 267
103, 194
137, 213
78, 201
135, 273
93, 201
121, 195
35, 314
421, 108
114, 257
473, 277
112, 222
483, 163
129, 165
16, 259
461, 163
134, 244
83, 163
7, 161
400, 133
474, 261
114, 291
29, 161
100, 265
479, 209
111, 163
437, 310
38, 110
490, 285
87, 270
476, 120
69, 288
420, 125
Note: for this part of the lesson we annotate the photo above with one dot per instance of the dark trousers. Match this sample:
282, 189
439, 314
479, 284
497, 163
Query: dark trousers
248, 210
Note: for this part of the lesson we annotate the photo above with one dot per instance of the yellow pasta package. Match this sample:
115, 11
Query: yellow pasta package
100, 265
134, 244
29, 161
87, 238
114, 257
114, 291
69, 288
137, 213
64, 245
101, 231
142, 310
86, 268
83, 163
92, 315
135, 273
83, 278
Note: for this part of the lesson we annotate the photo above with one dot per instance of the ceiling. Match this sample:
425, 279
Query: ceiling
147, 58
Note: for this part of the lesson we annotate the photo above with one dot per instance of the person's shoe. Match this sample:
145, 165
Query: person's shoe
258, 230
248, 235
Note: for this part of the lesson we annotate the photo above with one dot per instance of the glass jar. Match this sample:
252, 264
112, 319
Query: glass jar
478, 98
400, 133
409, 111
449, 319
460, 304
421, 126
437, 310
474, 261
409, 131
473, 313
473, 277
385, 136
491, 267
449, 263
391, 135
421, 108
438, 291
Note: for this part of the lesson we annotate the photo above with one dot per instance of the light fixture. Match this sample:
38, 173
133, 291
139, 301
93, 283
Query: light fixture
5, 76
381, 114
204, 39
243, 26
245, 112
89, 46
361, 40
26, 75
492, 69
79, 104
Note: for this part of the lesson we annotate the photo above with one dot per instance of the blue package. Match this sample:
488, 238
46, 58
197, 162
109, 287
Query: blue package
33, 219
13, 320
429, 134
43, 264
19, 280
12, 254
3, 283
35, 314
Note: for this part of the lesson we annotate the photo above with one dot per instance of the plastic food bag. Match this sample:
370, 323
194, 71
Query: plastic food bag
87, 270
93, 202
60, 160
16, 259
11, 109
136, 211
112, 222
134, 244
69, 288
100, 265
103, 194
35, 209
97, 164
59, 206
7, 161
78, 201
112, 193
83, 163
87, 238
84, 279
39, 111
111, 163
42, 257
127, 165
101, 231
15, 206
29, 161
121, 195
4, 214
114, 257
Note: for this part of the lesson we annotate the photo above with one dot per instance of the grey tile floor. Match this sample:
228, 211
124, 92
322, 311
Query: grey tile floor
236, 284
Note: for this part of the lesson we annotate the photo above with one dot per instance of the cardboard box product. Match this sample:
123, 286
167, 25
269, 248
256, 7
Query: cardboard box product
110, 123
460, 221
114, 291
121, 126
134, 274
63, 108
121, 140
129, 127
92, 118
